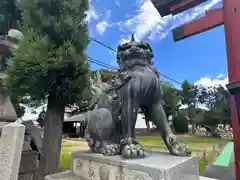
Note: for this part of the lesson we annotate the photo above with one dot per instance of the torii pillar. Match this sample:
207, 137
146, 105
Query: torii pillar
229, 16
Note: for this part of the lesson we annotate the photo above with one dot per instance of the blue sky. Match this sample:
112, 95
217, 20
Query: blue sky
199, 59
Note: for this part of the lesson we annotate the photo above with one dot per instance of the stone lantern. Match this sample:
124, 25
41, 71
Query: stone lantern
7, 43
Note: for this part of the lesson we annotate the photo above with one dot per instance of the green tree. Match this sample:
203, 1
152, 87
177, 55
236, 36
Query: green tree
10, 16
171, 98
189, 97
50, 64
217, 99
180, 123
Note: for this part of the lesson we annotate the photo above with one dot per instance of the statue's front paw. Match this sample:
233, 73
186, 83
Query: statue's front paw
110, 149
178, 149
181, 150
131, 151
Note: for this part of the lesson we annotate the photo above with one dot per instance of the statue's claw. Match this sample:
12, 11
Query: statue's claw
110, 149
176, 148
129, 141
132, 149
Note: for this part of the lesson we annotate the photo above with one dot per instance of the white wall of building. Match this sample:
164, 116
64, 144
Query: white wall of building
141, 122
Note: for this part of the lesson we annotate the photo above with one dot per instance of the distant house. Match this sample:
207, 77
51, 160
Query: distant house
75, 126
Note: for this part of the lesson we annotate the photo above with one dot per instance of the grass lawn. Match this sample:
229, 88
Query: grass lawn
199, 145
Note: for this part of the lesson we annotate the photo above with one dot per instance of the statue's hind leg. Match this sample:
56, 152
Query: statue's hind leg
157, 115
100, 133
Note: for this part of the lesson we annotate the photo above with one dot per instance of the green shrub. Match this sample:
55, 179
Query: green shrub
180, 123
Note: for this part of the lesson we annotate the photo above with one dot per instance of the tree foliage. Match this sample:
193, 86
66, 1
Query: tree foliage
189, 94
50, 64
180, 123
171, 98
217, 99
189, 98
50, 60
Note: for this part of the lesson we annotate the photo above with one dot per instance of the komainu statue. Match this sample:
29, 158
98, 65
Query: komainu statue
111, 124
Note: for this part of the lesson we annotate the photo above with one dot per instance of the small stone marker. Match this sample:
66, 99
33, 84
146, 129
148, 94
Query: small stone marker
11, 145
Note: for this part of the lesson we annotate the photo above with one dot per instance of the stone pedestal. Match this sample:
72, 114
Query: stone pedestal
156, 166
68, 175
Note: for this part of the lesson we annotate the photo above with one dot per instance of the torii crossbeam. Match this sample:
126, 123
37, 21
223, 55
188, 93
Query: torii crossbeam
229, 16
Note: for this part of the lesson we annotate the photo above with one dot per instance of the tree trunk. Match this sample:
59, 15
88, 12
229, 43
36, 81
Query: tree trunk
193, 128
53, 125
148, 128
191, 117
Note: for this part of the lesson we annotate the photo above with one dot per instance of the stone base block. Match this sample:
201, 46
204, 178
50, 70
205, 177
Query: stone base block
27, 176
156, 166
206, 178
67, 175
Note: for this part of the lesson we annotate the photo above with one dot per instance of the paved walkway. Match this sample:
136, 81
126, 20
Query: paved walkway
225, 157
223, 168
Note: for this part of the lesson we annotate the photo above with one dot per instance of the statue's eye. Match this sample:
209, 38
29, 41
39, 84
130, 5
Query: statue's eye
142, 46
127, 47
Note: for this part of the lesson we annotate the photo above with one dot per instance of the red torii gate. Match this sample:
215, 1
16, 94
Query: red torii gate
229, 16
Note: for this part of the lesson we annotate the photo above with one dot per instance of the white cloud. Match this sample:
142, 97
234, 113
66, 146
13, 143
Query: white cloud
92, 14
220, 76
125, 40
207, 82
102, 26
148, 22
117, 3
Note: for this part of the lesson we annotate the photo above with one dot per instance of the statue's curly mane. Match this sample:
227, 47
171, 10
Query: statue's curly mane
134, 53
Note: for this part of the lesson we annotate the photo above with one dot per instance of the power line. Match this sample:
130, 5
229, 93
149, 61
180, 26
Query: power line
105, 64
100, 63
102, 44
170, 79
113, 67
